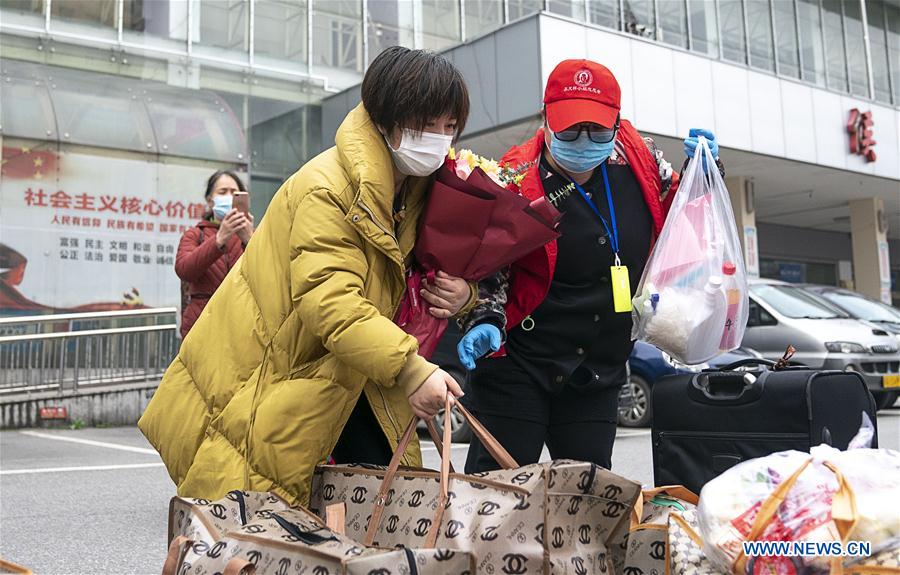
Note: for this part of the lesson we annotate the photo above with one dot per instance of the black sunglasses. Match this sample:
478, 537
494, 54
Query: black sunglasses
596, 134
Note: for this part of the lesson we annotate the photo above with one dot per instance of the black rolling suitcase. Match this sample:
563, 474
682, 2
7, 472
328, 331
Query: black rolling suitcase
705, 423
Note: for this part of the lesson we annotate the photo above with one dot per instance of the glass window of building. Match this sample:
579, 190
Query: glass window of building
786, 39
875, 15
202, 126
440, 24
835, 55
759, 31
640, 18
390, 23
482, 16
23, 7
22, 13
673, 22
223, 25
280, 32
134, 15
605, 13
337, 34
104, 110
856, 49
521, 8
156, 23
731, 24
570, 8
893, 24
283, 136
25, 104
704, 33
96, 13
811, 47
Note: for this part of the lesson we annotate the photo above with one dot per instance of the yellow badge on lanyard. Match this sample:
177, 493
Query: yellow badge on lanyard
621, 287
618, 274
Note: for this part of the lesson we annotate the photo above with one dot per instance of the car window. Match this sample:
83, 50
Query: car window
793, 302
862, 308
753, 314
758, 316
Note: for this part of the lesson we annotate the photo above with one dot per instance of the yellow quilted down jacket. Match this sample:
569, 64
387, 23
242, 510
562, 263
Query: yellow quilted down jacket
266, 379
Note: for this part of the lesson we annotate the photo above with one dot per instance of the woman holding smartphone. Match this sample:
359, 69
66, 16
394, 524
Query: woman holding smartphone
208, 250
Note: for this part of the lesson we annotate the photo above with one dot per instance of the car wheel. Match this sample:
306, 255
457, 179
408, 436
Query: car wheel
459, 427
885, 400
641, 410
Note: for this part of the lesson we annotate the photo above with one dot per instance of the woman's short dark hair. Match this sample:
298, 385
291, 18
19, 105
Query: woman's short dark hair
211, 182
407, 88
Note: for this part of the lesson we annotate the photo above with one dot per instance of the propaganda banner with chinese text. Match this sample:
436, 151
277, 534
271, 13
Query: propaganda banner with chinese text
83, 231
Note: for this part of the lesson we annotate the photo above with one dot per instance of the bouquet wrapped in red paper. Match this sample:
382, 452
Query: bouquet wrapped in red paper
472, 227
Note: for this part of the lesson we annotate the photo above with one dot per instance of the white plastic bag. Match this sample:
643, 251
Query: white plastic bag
692, 299
729, 504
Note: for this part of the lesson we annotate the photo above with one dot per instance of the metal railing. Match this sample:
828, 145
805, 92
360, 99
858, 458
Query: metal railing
71, 351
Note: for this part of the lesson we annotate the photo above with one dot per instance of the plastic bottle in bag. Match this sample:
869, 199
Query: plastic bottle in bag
733, 302
712, 327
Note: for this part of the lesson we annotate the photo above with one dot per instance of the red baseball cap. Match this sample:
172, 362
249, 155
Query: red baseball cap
581, 91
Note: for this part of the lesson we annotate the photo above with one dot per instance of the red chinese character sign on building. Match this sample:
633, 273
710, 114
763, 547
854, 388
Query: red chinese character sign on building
859, 126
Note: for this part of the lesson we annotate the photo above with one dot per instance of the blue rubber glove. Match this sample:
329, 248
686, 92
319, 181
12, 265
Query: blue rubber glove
691, 143
477, 342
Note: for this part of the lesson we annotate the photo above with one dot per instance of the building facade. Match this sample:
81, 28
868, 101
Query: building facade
114, 112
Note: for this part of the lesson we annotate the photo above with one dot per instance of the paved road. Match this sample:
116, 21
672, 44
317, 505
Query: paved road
94, 501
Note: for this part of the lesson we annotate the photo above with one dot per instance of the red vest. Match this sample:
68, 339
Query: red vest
530, 277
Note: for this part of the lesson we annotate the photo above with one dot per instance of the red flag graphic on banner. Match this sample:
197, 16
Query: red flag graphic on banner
25, 163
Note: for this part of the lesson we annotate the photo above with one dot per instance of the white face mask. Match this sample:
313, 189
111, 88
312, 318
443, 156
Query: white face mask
420, 155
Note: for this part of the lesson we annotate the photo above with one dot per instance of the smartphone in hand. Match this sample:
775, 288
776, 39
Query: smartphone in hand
241, 202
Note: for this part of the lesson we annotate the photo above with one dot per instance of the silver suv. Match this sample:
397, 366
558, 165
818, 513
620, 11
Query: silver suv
858, 306
783, 314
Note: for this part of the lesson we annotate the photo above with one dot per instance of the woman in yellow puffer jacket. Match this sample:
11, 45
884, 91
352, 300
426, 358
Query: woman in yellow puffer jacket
299, 339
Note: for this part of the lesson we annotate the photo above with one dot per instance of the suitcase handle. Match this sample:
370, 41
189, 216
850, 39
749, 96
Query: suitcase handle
761, 362
744, 362
726, 387
782, 364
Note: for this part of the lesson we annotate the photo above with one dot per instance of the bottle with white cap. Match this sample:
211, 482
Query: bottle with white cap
709, 331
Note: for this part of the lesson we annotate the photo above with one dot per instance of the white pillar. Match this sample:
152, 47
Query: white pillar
742, 203
871, 258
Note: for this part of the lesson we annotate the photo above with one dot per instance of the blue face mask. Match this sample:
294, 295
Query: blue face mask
221, 206
580, 156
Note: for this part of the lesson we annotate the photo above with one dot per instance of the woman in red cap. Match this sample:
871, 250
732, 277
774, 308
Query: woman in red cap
556, 379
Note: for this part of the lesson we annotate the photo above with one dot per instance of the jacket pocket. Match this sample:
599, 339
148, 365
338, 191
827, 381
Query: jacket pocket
329, 368
310, 369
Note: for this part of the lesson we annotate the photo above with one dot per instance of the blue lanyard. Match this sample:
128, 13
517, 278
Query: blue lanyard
614, 232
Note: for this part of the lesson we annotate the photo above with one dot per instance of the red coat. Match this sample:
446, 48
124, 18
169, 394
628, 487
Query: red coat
203, 266
530, 277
